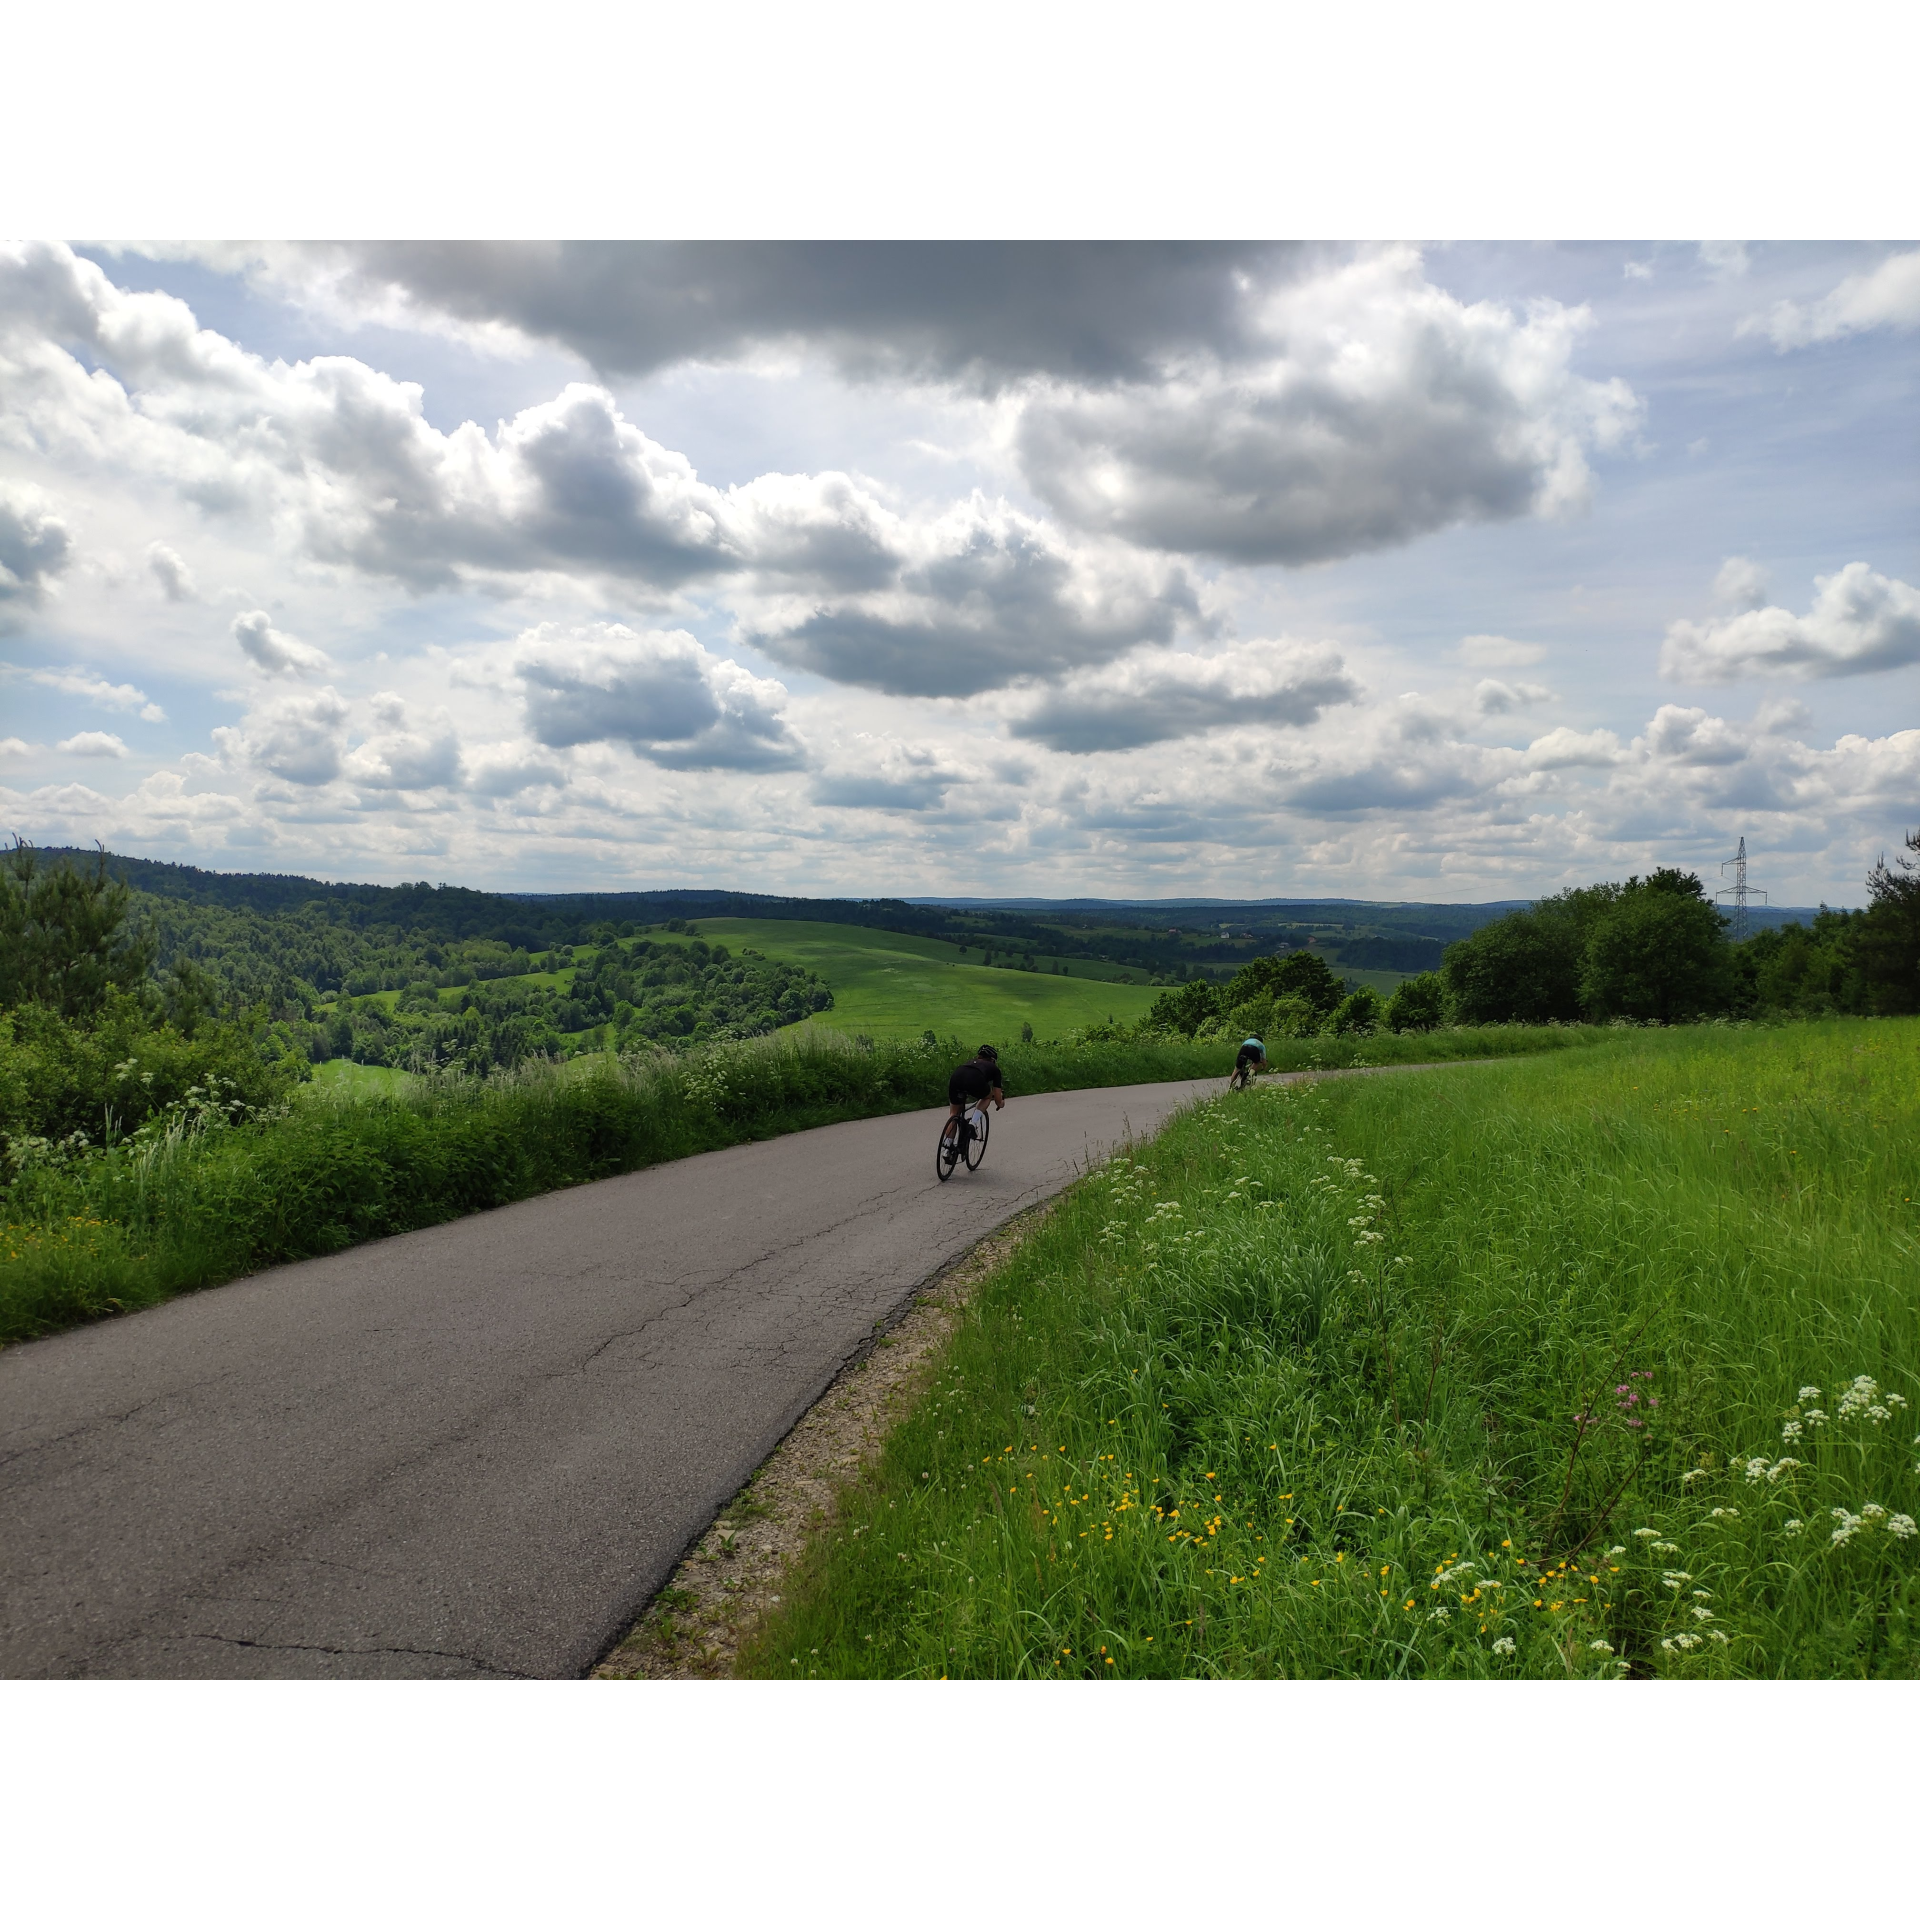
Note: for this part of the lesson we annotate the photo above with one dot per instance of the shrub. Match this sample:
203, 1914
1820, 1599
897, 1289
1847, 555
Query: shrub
1359, 1012
1418, 1005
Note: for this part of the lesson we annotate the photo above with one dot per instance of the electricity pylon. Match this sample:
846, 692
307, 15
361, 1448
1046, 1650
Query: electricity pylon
1741, 892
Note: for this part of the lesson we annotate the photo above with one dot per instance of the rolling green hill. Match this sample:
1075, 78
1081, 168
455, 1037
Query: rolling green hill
896, 985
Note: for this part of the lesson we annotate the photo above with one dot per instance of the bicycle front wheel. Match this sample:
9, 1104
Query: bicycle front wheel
948, 1156
977, 1146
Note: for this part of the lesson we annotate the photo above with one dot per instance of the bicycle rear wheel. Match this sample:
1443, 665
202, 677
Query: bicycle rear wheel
948, 1156
977, 1146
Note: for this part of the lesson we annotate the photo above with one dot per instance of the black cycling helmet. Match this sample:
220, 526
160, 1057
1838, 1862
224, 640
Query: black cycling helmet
988, 1053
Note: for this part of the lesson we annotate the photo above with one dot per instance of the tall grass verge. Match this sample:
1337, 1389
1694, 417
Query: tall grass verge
193, 1199
1588, 1367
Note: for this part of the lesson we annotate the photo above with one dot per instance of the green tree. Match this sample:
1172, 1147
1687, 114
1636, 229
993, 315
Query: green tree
1273, 975
1659, 952
1359, 1012
1182, 1009
1802, 969
1524, 966
64, 941
1418, 1005
1890, 935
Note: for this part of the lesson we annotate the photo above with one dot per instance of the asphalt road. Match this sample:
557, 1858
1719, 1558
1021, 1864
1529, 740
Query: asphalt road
477, 1449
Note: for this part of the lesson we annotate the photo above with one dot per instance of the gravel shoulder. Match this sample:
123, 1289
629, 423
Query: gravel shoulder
736, 1573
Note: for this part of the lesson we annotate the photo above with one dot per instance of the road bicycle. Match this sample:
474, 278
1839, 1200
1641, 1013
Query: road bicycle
964, 1137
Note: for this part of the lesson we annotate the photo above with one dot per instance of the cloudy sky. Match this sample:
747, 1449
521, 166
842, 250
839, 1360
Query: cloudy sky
1392, 571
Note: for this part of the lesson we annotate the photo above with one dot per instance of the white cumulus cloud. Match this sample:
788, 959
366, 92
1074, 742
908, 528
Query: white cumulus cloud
1860, 622
95, 746
1887, 296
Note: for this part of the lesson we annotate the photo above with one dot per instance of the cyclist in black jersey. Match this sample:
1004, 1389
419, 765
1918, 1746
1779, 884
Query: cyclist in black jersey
975, 1079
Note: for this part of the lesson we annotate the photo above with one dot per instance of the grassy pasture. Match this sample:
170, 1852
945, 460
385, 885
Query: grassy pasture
894, 985
1588, 1365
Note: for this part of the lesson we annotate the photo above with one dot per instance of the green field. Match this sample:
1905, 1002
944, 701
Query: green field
895, 985
1592, 1365
347, 1079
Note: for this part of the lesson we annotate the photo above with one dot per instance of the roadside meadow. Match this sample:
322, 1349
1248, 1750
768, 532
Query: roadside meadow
1589, 1365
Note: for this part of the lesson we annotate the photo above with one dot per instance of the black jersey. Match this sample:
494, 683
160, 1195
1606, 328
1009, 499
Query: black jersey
973, 1080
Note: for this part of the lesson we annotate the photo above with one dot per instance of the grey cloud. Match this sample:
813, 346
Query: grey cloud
983, 312
1693, 736
878, 792
1384, 410
895, 779
500, 771
299, 739
271, 650
175, 577
1159, 696
35, 548
1860, 622
1406, 785
661, 694
983, 597
1502, 696
402, 757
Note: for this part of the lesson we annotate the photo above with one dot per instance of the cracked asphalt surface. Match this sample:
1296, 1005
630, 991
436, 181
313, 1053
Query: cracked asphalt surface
477, 1449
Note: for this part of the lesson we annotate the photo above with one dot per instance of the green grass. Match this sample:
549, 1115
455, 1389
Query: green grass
1204, 1424
894, 986
199, 1201
348, 1079
365, 1152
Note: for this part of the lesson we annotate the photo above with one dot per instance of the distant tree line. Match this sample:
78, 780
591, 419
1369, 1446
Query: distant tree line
1643, 949
117, 1007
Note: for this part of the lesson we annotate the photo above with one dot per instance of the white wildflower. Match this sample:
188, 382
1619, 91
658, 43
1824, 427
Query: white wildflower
1792, 1430
1703, 1613
1809, 1393
1794, 1526
1504, 1644
1901, 1526
1598, 1646
1757, 1467
1783, 1465
1646, 1533
1716, 1634
1724, 1513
